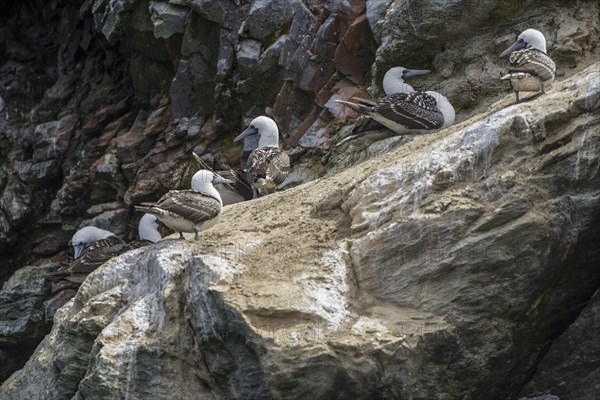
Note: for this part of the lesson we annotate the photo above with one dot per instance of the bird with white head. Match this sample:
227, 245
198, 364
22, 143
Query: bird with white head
190, 210
530, 67
267, 166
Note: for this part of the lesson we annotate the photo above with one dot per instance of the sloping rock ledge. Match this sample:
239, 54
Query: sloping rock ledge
442, 269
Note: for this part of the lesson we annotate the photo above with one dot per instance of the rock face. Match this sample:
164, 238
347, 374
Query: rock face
102, 102
22, 316
442, 269
571, 367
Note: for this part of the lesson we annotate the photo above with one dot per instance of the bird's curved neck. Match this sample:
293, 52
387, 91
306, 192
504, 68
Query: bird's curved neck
268, 139
543, 49
209, 189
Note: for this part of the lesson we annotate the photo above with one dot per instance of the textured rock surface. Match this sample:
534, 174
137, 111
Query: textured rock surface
445, 266
571, 368
22, 316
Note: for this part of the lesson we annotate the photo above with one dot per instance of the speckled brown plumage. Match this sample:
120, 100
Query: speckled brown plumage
401, 112
534, 62
96, 254
267, 167
189, 206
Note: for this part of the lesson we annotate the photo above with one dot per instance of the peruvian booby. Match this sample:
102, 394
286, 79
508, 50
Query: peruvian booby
403, 110
530, 66
148, 232
267, 166
404, 113
231, 193
189, 210
394, 81
92, 247
148, 228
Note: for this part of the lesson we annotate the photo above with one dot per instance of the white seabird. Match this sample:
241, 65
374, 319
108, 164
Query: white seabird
394, 81
189, 210
403, 110
530, 66
443, 104
404, 113
147, 231
237, 191
92, 247
267, 166
148, 228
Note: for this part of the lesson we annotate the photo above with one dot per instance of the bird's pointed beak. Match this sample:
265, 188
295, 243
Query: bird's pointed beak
77, 250
409, 73
518, 45
220, 179
251, 130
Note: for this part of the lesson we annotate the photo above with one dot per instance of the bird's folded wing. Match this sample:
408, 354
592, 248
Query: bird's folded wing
365, 124
191, 205
96, 254
533, 62
279, 167
415, 110
268, 163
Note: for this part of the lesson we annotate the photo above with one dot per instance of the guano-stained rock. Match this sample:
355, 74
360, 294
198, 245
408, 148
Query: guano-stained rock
398, 288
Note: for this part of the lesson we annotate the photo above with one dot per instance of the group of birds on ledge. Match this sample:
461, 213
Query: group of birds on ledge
403, 110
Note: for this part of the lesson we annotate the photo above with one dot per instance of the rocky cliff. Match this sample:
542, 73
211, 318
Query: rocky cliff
101, 103
442, 269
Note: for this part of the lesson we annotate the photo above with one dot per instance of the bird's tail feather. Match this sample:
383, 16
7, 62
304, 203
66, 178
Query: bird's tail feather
349, 138
57, 274
359, 106
203, 164
364, 102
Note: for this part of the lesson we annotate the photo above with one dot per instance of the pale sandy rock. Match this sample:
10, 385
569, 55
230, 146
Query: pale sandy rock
372, 282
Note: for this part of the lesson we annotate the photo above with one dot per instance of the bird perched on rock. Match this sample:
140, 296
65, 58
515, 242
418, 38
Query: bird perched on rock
190, 210
92, 247
403, 110
394, 81
404, 113
267, 166
231, 193
530, 67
